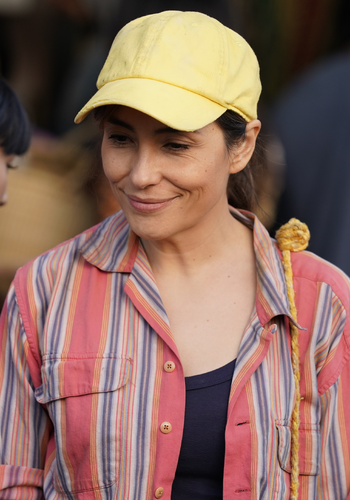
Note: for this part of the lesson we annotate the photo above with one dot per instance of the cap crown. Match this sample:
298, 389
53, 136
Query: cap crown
191, 51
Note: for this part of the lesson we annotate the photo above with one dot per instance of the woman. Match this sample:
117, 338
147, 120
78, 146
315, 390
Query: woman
14, 133
150, 357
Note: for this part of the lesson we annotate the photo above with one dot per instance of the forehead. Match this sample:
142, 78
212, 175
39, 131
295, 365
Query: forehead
134, 120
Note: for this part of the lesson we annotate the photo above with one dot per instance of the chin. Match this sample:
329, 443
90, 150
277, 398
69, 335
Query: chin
151, 230
151, 234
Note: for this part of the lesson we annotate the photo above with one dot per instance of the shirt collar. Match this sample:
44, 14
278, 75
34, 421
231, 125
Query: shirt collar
272, 297
113, 247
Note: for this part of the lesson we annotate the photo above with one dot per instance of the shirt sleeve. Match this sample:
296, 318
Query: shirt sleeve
24, 424
335, 438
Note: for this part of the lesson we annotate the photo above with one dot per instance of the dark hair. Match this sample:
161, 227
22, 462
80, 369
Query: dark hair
102, 113
15, 129
241, 187
241, 190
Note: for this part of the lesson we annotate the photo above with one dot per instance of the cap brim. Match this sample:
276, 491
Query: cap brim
174, 106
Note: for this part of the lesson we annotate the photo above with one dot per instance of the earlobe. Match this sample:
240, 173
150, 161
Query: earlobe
242, 155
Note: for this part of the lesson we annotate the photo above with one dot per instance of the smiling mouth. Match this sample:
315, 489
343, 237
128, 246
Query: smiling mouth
148, 206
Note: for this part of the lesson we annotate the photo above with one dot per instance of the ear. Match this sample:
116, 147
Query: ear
242, 154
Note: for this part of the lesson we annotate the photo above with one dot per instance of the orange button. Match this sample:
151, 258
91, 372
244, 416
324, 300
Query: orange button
165, 427
169, 366
159, 492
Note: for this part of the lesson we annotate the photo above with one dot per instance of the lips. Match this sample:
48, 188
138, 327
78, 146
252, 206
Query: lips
148, 205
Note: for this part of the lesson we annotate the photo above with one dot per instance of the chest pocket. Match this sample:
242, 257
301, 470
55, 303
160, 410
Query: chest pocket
309, 448
87, 399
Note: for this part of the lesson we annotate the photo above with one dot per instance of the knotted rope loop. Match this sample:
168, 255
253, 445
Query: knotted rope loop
293, 237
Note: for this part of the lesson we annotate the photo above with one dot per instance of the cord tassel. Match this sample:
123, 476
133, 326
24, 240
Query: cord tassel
293, 237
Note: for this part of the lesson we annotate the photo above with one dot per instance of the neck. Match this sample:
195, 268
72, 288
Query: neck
199, 247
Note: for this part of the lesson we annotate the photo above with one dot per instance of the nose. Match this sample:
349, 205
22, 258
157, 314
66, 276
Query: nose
3, 183
3, 199
146, 169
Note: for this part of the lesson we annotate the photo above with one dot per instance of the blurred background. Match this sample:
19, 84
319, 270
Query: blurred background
51, 52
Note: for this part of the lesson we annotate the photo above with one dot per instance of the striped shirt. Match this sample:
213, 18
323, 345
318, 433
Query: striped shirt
92, 391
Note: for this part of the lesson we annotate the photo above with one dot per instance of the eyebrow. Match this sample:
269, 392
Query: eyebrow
163, 130
116, 121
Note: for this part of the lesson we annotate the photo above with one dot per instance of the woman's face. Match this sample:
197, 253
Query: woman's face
5, 160
166, 181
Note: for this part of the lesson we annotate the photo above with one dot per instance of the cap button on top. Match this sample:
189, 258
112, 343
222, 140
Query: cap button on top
159, 492
169, 366
165, 427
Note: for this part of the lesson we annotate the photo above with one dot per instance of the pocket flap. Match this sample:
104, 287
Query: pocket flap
85, 374
309, 448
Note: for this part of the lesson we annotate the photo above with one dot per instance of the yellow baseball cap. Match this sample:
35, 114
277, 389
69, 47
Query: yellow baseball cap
184, 69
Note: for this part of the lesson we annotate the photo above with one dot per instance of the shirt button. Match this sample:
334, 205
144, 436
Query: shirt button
159, 492
165, 427
169, 366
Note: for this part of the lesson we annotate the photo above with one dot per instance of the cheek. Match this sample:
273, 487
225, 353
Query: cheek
208, 177
113, 167
192, 175
3, 181
112, 162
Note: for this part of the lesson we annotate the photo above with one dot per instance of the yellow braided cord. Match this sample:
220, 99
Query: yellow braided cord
294, 460
293, 236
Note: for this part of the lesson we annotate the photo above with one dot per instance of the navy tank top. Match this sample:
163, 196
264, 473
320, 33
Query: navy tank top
199, 474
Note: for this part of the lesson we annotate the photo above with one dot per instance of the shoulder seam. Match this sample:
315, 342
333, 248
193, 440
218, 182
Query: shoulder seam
23, 317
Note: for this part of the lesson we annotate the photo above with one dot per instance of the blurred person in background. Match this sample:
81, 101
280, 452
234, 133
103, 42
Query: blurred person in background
15, 133
49, 201
311, 118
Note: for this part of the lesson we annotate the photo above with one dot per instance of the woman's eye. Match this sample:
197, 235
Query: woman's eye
119, 139
176, 146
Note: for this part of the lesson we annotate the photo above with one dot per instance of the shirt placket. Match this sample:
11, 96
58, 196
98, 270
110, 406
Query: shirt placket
169, 401
240, 436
